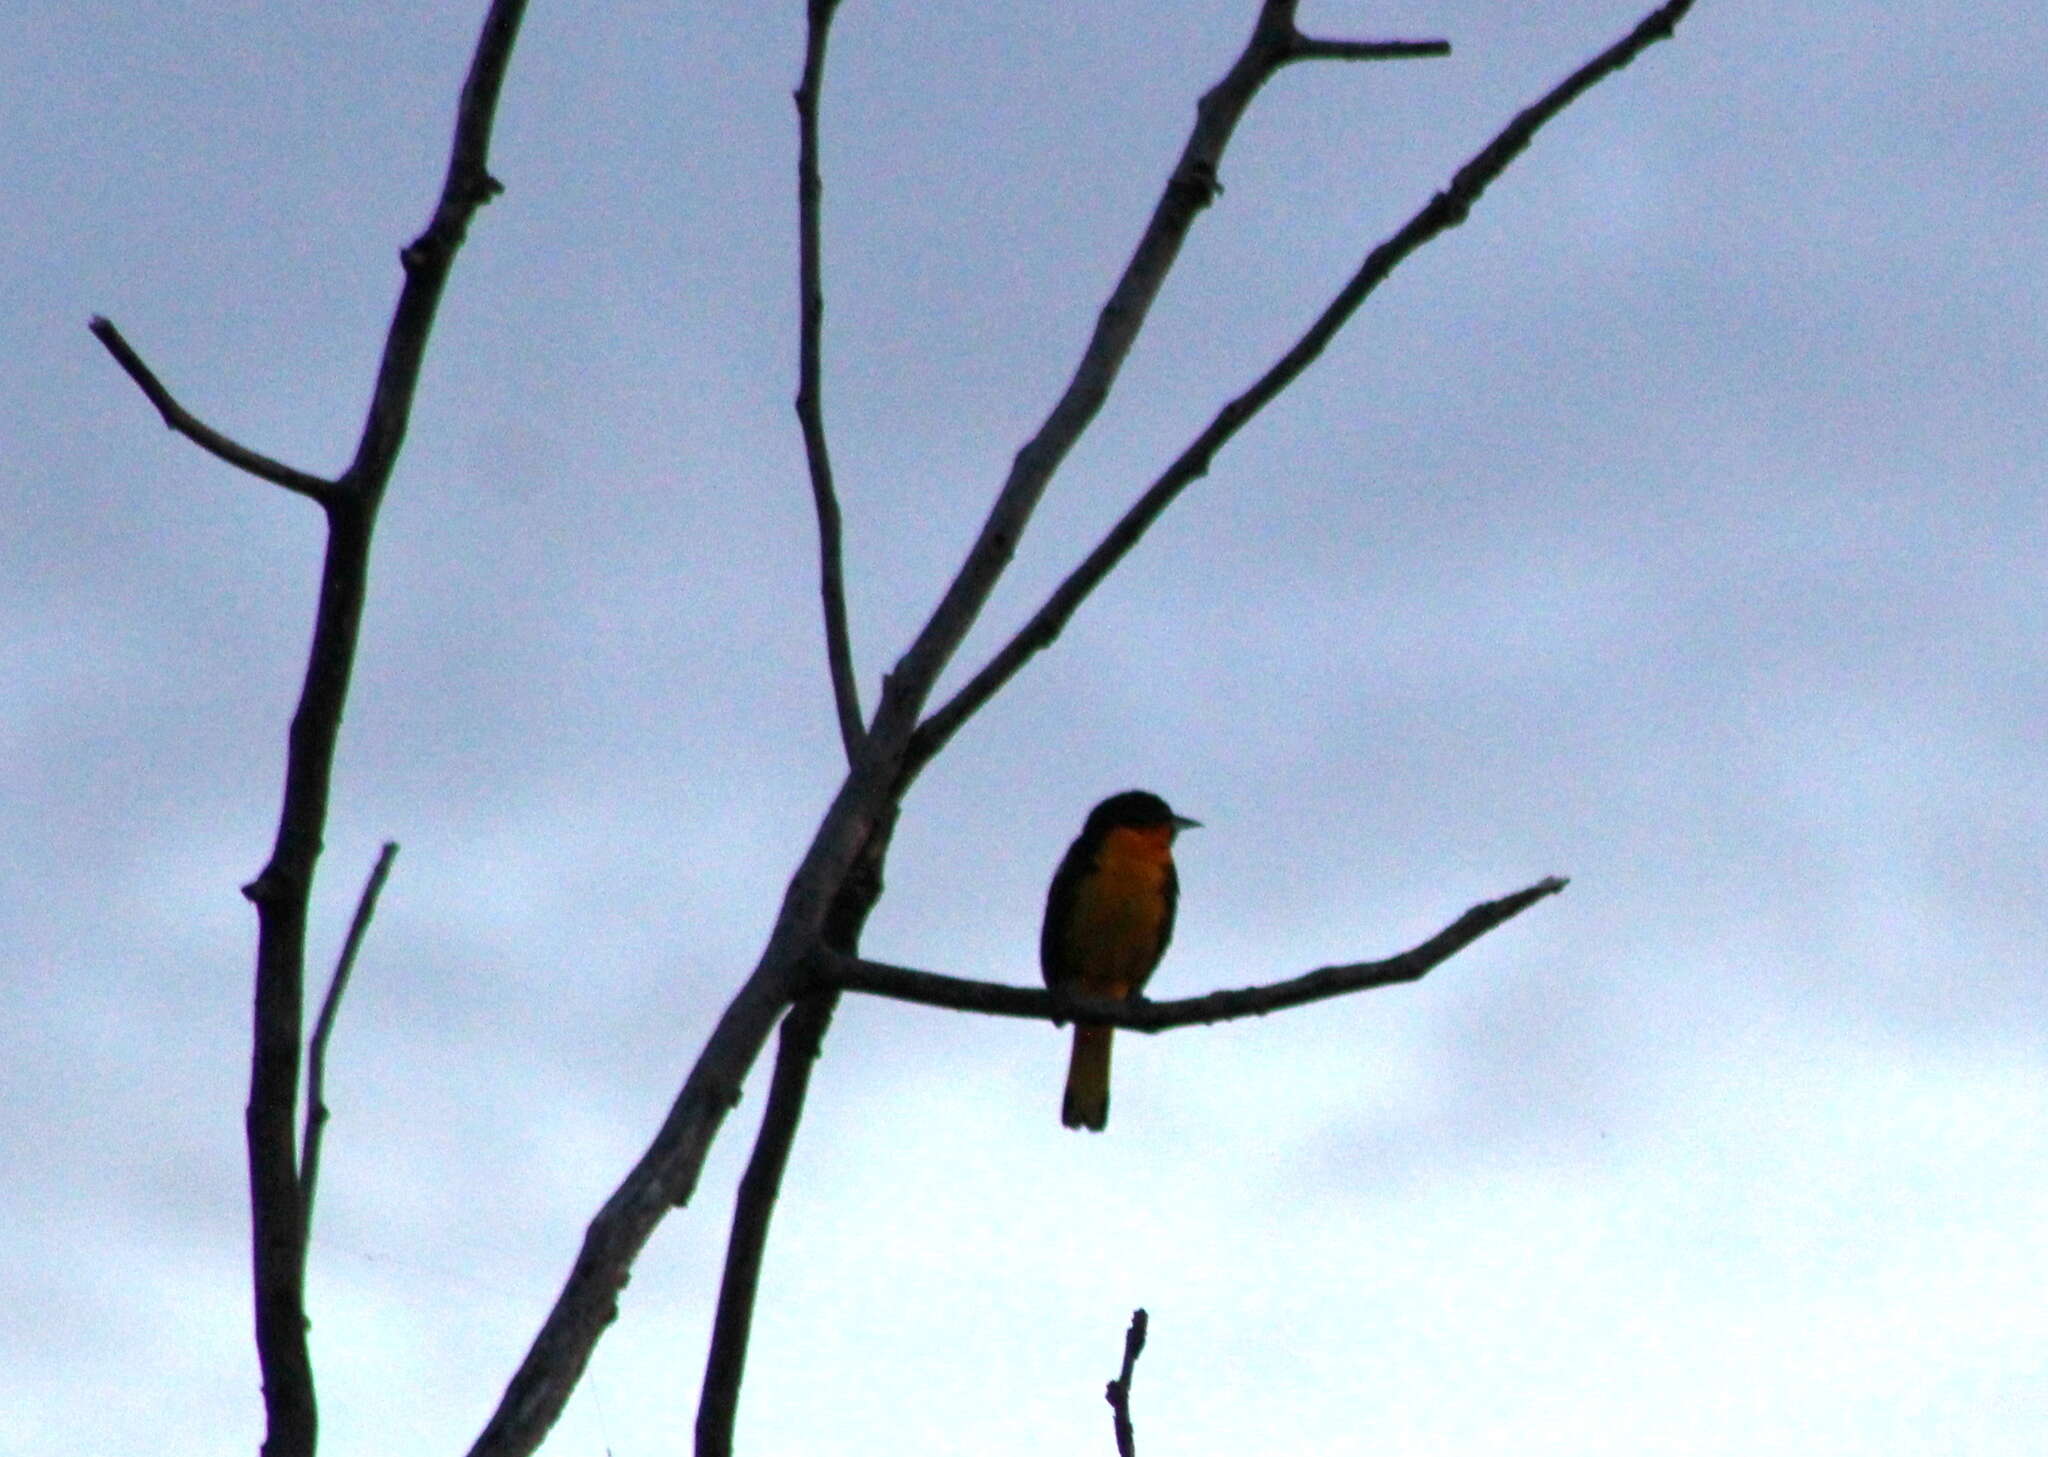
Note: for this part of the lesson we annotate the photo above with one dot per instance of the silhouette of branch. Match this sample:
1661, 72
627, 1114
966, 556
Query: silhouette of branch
803, 1035
999, 999
282, 891
810, 408
429, 257
829, 896
802, 1040
665, 1176
1315, 48
1444, 211
1275, 43
178, 418
1190, 188
323, 1028
1118, 1394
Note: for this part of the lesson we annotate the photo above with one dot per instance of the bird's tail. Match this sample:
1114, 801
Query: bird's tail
1087, 1102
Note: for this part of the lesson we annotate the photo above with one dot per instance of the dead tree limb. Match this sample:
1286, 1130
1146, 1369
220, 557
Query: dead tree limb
803, 1029
811, 952
323, 1029
182, 420
667, 1173
1444, 211
802, 1038
282, 891
1118, 1394
1000, 999
1191, 187
810, 401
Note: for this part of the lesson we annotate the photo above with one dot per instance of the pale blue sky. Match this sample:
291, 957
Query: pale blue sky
1675, 525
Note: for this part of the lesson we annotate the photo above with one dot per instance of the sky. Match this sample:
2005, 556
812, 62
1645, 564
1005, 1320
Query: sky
1675, 525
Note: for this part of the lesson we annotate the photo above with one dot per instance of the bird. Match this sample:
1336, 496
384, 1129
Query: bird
1108, 917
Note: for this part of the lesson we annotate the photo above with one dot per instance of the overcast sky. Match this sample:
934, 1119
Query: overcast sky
1675, 525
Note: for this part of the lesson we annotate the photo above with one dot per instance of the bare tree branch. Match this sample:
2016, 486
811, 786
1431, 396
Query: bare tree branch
803, 1035
846, 855
1000, 999
803, 1029
810, 408
323, 1028
1444, 211
1315, 48
282, 891
1189, 189
1118, 1394
178, 418
811, 951
665, 1176
429, 257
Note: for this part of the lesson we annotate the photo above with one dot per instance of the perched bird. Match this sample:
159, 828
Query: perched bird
1108, 918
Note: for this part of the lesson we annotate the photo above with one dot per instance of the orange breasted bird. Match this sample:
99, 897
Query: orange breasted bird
1108, 918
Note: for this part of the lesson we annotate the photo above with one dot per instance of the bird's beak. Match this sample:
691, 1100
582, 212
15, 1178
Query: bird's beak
1182, 822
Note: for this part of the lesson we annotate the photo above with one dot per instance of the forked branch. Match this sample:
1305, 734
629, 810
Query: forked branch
668, 1171
1191, 187
282, 891
1446, 210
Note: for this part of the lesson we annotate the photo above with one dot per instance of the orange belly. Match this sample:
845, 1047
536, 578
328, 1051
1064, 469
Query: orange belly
1113, 934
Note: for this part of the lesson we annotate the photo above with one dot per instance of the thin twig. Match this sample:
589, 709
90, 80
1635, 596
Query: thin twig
1315, 48
803, 1033
323, 1028
810, 407
1119, 1393
1000, 999
178, 418
1444, 211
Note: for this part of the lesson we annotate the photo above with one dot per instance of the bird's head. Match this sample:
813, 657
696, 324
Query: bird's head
1135, 809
